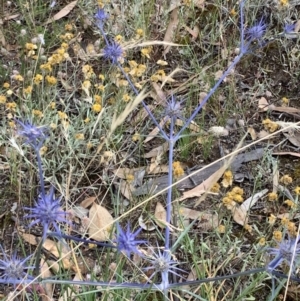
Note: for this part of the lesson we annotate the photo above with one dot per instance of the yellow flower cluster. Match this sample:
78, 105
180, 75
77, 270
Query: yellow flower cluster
215, 188
2, 99
285, 101
227, 179
290, 226
270, 125
38, 79
233, 196
286, 179
277, 235
30, 49
146, 52
19, 77
136, 70
67, 36
158, 76
59, 56
88, 71
6, 85
28, 90
11, 106
126, 97
290, 203
129, 178
139, 33
51, 80
177, 169
272, 196
37, 113
79, 136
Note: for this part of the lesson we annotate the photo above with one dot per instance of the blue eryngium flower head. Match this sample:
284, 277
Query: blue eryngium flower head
34, 135
126, 240
257, 31
101, 15
14, 270
113, 52
47, 212
288, 251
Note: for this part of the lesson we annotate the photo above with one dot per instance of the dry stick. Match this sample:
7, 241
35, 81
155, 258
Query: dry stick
156, 195
290, 271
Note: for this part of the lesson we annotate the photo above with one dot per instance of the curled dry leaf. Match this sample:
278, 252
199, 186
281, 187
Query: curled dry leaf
59, 250
88, 202
240, 213
207, 220
263, 104
252, 133
63, 12
161, 149
146, 224
160, 215
46, 273
100, 223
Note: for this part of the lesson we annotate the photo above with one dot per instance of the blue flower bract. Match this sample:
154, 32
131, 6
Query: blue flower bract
126, 241
288, 251
14, 269
288, 28
35, 136
257, 31
113, 52
47, 211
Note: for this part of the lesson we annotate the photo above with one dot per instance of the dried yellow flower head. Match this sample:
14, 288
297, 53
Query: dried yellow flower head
272, 196
277, 235
290, 203
262, 241
221, 229
79, 136
272, 219
215, 188
2, 99
297, 190
270, 125
177, 169
227, 179
286, 179
96, 107
129, 178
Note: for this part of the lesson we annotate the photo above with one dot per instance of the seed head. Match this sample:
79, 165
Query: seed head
13, 270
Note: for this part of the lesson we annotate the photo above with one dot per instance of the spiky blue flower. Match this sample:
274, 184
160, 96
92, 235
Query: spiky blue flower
100, 17
288, 251
34, 135
163, 263
14, 270
47, 212
113, 52
257, 31
126, 240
